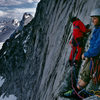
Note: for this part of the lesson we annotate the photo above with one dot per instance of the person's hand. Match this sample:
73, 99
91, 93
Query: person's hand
83, 57
90, 30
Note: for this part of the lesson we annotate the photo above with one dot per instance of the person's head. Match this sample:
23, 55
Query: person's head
95, 15
74, 19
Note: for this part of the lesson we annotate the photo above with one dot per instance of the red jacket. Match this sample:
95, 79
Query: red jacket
78, 29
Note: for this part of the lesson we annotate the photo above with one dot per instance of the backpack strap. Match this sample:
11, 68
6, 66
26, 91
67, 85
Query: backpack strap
76, 27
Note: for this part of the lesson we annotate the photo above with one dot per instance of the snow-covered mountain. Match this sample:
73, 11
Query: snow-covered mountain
25, 20
9, 27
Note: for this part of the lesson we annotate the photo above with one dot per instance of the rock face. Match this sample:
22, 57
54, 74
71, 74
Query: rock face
34, 62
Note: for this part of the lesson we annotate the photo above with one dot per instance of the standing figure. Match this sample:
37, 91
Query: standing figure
79, 31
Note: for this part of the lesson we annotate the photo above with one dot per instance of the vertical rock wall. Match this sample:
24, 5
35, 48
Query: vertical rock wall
34, 62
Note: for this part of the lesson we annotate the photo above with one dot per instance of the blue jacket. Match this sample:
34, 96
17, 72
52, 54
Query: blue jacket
94, 49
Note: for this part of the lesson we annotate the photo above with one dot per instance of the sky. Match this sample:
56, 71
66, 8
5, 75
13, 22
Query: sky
16, 8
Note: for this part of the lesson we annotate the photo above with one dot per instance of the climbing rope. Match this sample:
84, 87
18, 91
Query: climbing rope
89, 93
73, 86
82, 89
72, 81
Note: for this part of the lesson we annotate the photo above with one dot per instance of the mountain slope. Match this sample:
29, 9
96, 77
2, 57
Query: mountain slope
7, 27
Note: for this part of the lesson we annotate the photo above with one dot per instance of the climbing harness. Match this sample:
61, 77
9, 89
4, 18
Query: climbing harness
88, 93
95, 70
91, 92
97, 93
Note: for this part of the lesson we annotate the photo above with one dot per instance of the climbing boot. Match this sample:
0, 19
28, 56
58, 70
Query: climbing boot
70, 93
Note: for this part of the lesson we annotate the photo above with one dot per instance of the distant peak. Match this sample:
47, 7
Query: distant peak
26, 15
15, 22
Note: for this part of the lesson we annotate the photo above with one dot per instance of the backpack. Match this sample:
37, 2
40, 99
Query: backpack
95, 70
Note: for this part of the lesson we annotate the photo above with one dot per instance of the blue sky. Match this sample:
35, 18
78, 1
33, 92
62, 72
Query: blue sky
16, 8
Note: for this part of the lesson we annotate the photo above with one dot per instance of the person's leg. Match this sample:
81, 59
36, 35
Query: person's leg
78, 55
81, 84
72, 54
80, 47
83, 81
84, 75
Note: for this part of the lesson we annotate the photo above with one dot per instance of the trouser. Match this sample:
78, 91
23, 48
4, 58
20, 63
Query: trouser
85, 72
78, 55
91, 70
77, 45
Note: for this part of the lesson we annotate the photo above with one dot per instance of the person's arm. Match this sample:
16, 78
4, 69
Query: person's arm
83, 28
95, 51
88, 30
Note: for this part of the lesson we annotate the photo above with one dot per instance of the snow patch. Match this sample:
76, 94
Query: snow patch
17, 36
1, 81
24, 43
27, 38
1, 44
10, 97
25, 50
4, 52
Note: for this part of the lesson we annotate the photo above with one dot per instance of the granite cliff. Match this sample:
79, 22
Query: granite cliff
34, 62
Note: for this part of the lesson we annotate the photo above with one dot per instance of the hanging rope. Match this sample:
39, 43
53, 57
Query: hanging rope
78, 94
72, 81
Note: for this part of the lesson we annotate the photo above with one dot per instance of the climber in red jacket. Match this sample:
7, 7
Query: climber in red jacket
79, 31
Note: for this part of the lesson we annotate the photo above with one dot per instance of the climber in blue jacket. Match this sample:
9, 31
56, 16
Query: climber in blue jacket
91, 55
94, 49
